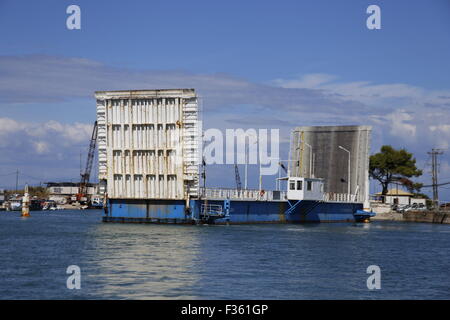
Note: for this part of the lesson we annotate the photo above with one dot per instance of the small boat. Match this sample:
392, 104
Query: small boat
49, 205
15, 205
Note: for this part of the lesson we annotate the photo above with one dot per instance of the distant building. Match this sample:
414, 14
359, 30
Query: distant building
61, 192
400, 197
2, 196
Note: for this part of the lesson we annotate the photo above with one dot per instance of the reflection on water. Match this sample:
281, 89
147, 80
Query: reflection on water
142, 261
134, 261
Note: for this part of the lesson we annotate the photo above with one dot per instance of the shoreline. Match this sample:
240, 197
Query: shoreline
439, 217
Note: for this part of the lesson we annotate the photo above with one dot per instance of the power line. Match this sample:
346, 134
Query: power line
437, 185
31, 177
7, 174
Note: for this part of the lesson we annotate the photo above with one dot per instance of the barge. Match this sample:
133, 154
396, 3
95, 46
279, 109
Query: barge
232, 206
149, 151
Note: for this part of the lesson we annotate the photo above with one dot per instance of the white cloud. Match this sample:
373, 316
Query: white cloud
45, 151
308, 81
443, 128
400, 111
8, 125
41, 147
400, 125
44, 137
52, 79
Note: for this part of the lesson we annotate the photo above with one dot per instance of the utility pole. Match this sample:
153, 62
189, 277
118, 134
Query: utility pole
434, 174
17, 180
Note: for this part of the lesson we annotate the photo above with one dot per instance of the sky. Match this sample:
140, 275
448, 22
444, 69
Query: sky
255, 64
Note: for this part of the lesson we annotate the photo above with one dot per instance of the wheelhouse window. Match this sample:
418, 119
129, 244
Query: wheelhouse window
309, 185
299, 185
292, 185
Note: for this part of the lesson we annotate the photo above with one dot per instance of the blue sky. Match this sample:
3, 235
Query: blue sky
286, 63
257, 40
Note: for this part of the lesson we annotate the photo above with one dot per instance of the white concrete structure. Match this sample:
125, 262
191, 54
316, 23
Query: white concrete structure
149, 143
60, 192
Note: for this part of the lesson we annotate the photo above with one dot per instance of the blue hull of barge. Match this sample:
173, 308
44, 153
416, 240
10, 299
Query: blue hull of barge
240, 212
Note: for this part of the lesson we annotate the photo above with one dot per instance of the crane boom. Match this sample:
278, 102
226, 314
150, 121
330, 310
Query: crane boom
283, 167
90, 160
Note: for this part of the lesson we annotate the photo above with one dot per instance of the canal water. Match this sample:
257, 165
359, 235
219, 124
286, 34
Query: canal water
135, 261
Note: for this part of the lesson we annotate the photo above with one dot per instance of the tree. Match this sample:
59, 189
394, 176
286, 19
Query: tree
391, 165
411, 186
39, 192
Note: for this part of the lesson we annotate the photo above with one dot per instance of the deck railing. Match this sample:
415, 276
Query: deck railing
256, 195
247, 194
341, 197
